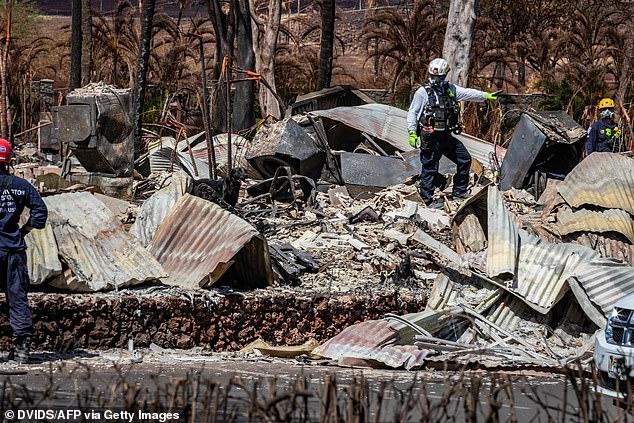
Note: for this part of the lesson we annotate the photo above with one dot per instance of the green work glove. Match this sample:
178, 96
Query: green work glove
414, 141
490, 96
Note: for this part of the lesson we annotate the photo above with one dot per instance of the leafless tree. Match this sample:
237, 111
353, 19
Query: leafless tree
458, 39
327, 44
265, 35
75, 46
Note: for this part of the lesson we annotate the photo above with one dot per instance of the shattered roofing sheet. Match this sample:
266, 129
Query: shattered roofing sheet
198, 241
612, 220
372, 340
162, 158
605, 281
601, 179
154, 209
503, 237
544, 271
95, 246
42, 255
378, 120
539, 269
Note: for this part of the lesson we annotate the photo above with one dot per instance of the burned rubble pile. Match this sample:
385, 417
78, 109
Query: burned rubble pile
513, 297
324, 202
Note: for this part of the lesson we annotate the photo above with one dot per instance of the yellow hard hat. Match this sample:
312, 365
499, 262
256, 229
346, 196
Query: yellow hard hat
606, 103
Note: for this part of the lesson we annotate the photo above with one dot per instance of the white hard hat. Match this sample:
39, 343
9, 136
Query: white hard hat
438, 67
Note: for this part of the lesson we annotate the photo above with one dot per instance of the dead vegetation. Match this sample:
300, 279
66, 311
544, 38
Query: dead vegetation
197, 396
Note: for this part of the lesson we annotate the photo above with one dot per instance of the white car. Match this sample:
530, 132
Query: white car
614, 351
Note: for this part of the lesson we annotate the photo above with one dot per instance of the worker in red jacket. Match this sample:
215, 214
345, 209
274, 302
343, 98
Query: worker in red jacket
16, 194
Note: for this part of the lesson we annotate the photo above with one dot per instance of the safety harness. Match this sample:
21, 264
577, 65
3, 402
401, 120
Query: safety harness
442, 112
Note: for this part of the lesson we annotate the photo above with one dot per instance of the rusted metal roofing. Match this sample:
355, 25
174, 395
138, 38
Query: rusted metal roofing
613, 220
543, 268
601, 179
607, 245
544, 271
94, 245
199, 241
503, 236
372, 340
42, 255
154, 209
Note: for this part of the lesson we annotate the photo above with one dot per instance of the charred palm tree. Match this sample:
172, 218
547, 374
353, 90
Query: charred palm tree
405, 40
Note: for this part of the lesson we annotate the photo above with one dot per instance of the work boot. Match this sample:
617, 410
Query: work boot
436, 204
461, 196
21, 349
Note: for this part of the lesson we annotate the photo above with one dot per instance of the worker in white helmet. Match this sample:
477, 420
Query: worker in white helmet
433, 118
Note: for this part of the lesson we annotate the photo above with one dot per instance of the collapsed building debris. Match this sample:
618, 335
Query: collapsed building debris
544, 145
329, 98
95, 126
338, 212
502, 295
285, 144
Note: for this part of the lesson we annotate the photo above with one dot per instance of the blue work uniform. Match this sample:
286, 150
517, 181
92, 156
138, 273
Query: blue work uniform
16, 194
601, 137
441, 143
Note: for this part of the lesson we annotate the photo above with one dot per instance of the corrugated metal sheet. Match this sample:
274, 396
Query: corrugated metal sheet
601, 179
94, 245
154, 210
543, 268
162, 158
390, 124
480, 149
503, 236
42, 255
607, 245
605, 281
539, 269
443, 293
372, 340
543, 272
198, 241
239, 146
613, 220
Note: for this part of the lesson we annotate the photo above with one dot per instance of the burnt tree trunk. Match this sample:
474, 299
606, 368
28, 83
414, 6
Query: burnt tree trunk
265, 35
458, 39
142, 68
75, 46
327, 45
228, 26
244, 101
86, 47
5, 114
625, 81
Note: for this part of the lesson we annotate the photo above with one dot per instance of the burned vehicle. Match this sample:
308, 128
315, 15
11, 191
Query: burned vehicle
614, 351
